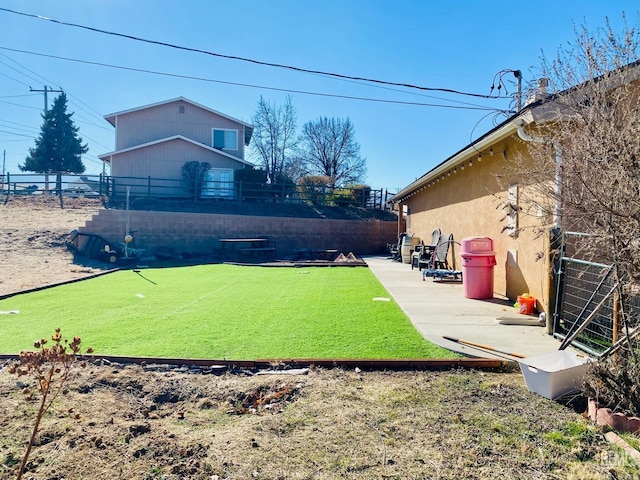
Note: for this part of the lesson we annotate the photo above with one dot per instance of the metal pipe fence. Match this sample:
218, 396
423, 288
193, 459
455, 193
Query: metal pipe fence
115, 188
582, 286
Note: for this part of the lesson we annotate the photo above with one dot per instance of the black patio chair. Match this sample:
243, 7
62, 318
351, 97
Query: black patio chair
395, 249
426, 257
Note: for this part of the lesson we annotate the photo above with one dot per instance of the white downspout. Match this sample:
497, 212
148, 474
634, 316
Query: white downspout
557, 217
521, 134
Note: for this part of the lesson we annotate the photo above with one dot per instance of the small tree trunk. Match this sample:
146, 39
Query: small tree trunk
34, 432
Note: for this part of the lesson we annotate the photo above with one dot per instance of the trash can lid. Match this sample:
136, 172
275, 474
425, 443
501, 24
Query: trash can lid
476, 245
478, 254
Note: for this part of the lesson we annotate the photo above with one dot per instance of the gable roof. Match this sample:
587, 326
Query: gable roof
107, 156
111, 117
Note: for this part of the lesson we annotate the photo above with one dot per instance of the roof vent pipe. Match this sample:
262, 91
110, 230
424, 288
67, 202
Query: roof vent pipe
543, 84
541, 91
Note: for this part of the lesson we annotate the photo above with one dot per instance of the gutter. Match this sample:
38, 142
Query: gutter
502, 131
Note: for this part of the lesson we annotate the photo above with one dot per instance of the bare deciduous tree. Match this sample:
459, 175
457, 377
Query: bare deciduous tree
582, 165
329, 147
274, 137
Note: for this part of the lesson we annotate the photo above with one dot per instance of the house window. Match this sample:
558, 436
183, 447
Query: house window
218, 183
225, 139
181, 109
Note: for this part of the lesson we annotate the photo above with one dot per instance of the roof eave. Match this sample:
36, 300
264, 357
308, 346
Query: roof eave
107, 156
502, 131
112, 116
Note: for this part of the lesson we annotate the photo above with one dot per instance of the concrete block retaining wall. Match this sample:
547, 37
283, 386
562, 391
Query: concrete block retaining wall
198, 233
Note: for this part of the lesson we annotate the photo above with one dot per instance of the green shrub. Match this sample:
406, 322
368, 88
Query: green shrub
354, 195
315, 188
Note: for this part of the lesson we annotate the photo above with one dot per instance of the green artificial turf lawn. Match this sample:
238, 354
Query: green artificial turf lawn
222, 312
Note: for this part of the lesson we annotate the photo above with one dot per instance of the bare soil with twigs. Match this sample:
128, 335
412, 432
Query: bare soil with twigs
117, 421
33, 231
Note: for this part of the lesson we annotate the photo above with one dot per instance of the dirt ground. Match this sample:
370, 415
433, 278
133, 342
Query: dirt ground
153, 421
32, 241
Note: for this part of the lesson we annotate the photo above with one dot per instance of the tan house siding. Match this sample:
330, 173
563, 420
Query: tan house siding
147, 125
163, 161
153, 142
471, 201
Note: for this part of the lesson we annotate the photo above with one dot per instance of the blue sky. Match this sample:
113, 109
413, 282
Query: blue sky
454, 45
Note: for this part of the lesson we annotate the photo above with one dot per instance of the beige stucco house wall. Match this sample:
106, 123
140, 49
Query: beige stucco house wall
465, 194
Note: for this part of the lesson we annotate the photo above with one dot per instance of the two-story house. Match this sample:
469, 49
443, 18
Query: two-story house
154, 141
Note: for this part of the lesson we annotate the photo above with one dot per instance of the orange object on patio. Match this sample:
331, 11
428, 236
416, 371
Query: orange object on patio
526, 304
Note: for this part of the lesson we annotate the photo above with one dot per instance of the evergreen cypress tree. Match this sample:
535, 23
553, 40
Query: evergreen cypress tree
58, 148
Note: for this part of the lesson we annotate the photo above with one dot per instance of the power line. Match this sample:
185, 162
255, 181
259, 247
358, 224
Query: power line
87, 121
18, 71
4, 125
16, 96
249, 60
18, 105
14, 79
78, 102
302, 92
45, 91
96, 142
17, 134
19, 124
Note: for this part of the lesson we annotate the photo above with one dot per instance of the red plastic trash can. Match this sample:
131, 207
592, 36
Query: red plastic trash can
478, 261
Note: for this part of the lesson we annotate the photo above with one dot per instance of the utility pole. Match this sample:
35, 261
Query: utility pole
46, 107
4, 158
46, 89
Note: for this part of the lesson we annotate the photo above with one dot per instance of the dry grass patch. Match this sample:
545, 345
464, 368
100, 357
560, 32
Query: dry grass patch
324, 425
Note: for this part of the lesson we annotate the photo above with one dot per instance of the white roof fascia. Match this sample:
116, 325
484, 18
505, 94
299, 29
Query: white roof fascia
168, 139
509, 128
164, 102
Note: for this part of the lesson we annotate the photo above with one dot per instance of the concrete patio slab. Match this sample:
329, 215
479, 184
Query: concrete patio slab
440, 309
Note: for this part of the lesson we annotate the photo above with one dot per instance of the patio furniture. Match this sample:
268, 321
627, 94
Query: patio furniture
442, 252
416, 255
255, 249
439, 265
395, 248
425, 256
